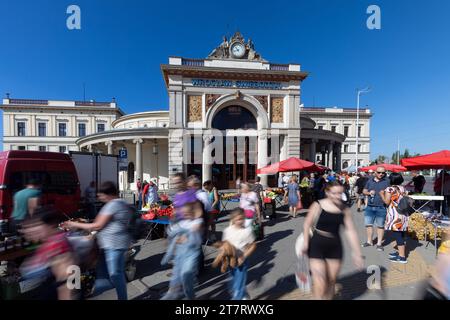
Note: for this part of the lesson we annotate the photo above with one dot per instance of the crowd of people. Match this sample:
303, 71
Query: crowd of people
197, 206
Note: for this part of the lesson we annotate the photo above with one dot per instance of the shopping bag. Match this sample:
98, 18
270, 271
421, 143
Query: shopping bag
299, 205
258, 230
302, 271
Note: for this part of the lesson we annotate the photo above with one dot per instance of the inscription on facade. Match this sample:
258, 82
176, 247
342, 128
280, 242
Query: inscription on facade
236, 84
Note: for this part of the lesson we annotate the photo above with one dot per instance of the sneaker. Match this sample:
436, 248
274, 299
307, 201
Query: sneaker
398, 259
393, 254
366, 244
380, 248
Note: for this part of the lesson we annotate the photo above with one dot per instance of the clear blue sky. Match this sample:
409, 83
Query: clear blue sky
121, 45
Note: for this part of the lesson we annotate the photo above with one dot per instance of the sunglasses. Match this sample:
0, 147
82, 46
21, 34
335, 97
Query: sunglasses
381, 172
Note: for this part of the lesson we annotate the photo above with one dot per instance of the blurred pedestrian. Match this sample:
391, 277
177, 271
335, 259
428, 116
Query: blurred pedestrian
292, 196
238, 183
25, 203
90, 196
396, 220
325, 249
243, 240
361, 197
214, 200
258, 188
139, 193
418, 182
113, 239
150, 193
52, 259
185, 237
250, 204
375, 212
183, 194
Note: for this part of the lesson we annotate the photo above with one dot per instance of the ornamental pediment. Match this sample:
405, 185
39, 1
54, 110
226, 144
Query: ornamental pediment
236, 48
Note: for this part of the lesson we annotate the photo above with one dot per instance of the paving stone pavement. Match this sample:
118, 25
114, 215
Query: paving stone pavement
271, 275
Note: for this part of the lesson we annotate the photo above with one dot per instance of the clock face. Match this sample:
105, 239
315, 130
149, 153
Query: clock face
237, 50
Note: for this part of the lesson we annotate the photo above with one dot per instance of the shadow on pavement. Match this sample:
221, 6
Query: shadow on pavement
356, 284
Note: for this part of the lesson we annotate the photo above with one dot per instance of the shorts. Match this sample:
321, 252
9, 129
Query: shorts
375, 215
399, 237
322, 247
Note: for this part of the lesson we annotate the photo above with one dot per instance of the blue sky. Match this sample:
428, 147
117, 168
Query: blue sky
121, 45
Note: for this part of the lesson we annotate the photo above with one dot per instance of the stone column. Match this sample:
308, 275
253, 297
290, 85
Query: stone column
138, 143
207, 159
312, 150
330, 156
109, 144
262, 154
338, 151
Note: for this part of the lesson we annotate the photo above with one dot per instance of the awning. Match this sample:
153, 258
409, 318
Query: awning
289, 165
436, 160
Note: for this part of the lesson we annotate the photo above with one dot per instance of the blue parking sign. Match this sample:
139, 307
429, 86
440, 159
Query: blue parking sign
123, 154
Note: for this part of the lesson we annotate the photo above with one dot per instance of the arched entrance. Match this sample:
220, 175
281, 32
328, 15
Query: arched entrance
239, 152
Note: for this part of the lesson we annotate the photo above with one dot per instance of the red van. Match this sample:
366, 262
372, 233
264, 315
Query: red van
55, 171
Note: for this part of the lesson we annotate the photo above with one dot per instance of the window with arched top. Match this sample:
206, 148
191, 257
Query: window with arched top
130, 172
234, 117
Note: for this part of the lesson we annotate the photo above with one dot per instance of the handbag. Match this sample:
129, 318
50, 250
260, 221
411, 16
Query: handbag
299, 205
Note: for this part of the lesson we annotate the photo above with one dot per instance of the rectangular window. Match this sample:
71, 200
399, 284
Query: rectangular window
100, 127
21, 148
21, 129
359, 131
62, 129
333, 128
320, 127
359, 148
42, 148
62, 149
359, 163
345, 148
346, 131
81, 129
42, 129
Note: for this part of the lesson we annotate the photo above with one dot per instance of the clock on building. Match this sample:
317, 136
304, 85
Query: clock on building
237, 50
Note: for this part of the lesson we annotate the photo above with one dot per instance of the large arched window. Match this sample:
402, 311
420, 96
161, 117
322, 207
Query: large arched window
234, 117
130, 172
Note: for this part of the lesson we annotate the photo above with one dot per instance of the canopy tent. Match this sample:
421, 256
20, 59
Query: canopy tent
289, 165
387, 166
436, 160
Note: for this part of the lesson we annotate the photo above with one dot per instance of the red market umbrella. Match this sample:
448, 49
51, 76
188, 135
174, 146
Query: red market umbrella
387, 166
436, 160
289, 165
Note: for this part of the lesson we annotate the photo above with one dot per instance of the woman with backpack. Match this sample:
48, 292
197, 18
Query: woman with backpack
112, 224
396, 219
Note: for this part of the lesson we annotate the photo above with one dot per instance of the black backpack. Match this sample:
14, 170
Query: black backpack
405, 206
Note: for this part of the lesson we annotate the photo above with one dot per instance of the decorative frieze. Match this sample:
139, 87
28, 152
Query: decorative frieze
263, 101
276, 110
210, 99
194, 108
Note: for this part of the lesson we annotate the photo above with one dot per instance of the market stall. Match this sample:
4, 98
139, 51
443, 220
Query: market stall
226, 199
425, 225
157, 216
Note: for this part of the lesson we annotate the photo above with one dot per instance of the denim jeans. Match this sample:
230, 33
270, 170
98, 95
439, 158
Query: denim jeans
139, 201
375, 216
110, 273
184, 273
239, 279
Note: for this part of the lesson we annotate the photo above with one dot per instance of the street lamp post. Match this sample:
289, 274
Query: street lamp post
365, 90
155, 153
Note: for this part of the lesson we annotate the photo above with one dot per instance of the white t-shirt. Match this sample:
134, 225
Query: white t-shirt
249, 200
202, 196
238, 237
286, 179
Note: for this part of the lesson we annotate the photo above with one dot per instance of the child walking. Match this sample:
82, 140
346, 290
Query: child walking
243, 239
